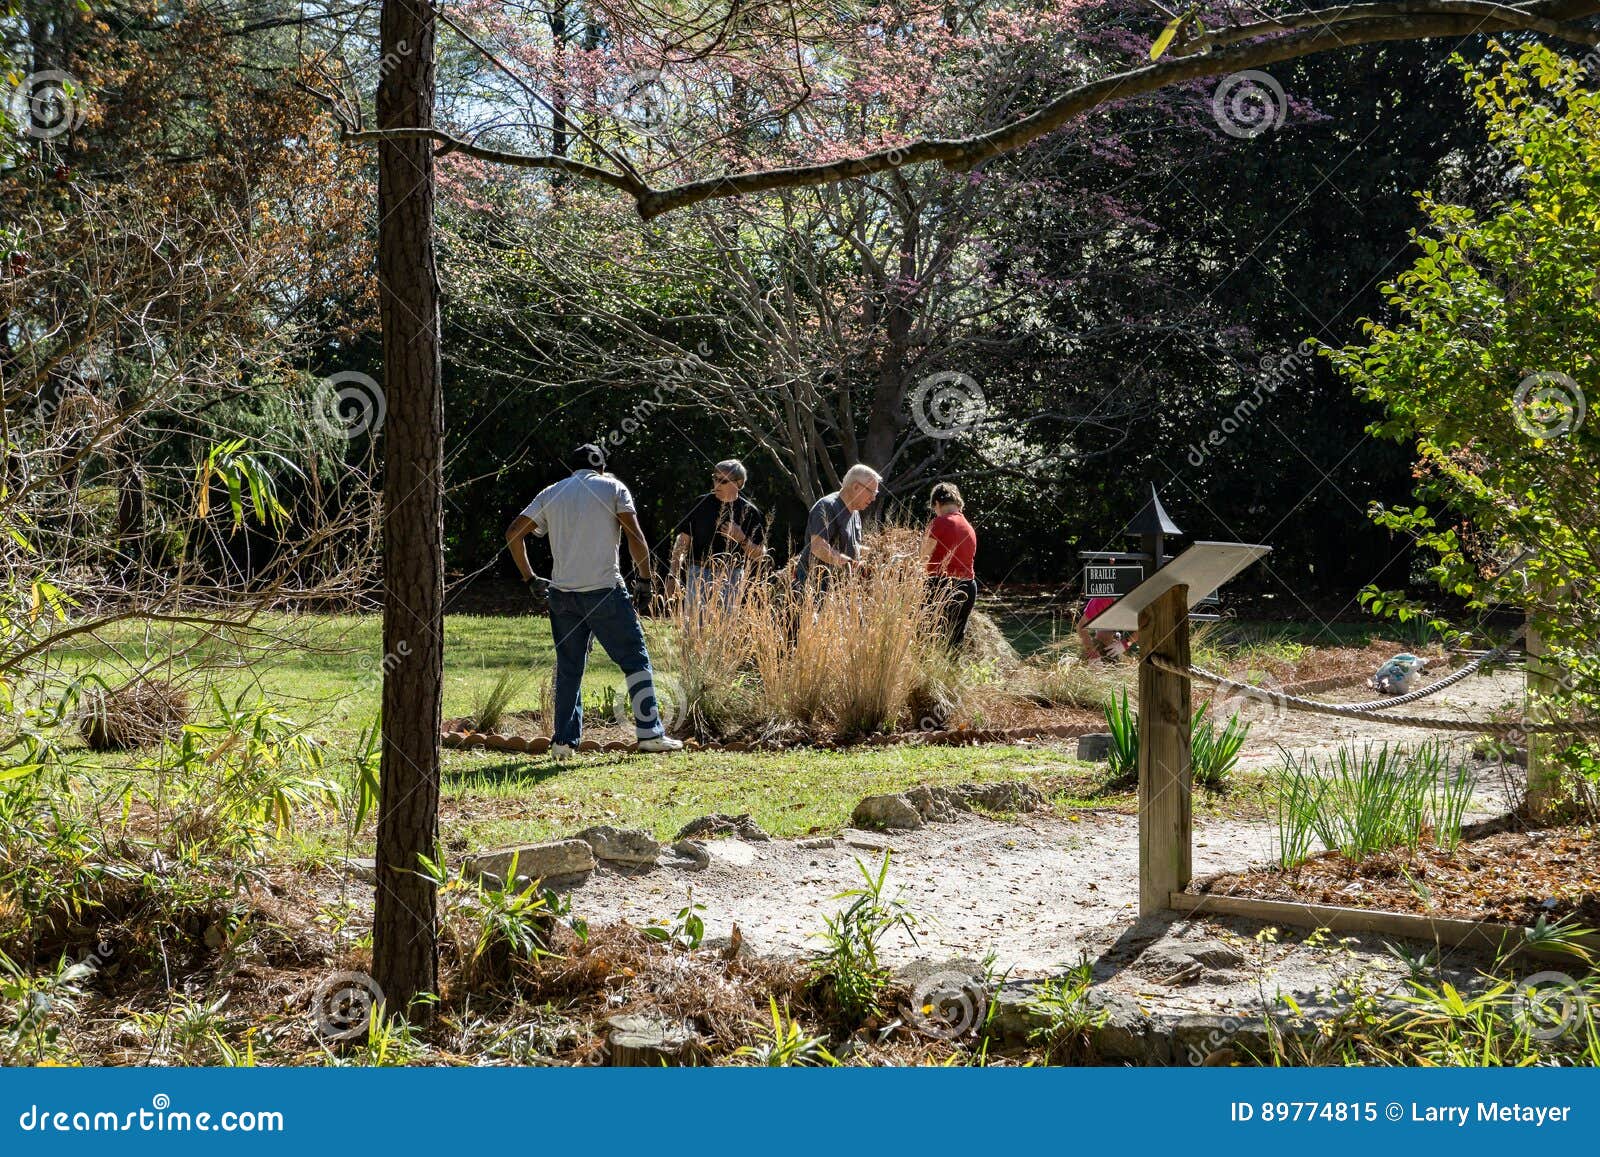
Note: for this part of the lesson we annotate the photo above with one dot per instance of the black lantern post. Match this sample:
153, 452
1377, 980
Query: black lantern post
1152, 526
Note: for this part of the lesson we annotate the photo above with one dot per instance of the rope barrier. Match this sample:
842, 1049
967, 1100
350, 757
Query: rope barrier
1367, 711
1423, 692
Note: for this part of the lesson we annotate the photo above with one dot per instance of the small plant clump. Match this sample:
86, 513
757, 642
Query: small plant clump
851, 969
137, 714
489, 707
1122, 721
1362, 801
1214, 754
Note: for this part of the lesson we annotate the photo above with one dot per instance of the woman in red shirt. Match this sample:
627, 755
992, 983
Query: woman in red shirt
948, 549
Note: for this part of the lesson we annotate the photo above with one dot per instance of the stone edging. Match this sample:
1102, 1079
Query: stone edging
540, 745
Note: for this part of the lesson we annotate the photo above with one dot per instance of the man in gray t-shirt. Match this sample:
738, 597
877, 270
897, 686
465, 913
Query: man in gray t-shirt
833, 528
584, 517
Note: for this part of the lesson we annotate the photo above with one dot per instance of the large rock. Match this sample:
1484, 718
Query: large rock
361, 868
719, 824
1172, 957
689, 855
559, 862
934, 803
914, 807
997, 797
866, 841
628, 847
635, 1040
887, 811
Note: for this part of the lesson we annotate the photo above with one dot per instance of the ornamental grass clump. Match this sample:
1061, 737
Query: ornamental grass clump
864, 654
1360, 802
137, 714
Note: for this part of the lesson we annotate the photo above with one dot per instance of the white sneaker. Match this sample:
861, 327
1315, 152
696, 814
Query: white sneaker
661, 743
560, 751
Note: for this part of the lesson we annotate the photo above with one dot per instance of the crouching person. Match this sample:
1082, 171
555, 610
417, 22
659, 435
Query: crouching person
584, 517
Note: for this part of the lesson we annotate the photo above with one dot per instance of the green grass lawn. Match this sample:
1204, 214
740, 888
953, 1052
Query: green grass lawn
492, 799
329, 670
330, 681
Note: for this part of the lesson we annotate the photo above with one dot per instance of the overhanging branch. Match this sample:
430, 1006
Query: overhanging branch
1219, 53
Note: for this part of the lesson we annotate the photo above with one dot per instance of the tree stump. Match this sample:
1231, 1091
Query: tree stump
637, 1041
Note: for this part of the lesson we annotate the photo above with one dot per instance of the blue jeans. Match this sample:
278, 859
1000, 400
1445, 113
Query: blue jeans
706, 584
577, 618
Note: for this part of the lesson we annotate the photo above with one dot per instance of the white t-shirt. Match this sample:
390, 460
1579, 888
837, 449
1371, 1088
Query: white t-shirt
579, 516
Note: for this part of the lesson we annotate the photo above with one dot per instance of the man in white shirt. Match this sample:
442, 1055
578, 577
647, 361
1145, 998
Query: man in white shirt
584, 517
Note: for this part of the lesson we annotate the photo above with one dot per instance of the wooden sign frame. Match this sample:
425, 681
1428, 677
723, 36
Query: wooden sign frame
1201, 569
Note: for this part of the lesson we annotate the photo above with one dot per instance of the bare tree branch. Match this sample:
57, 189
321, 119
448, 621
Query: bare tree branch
1243, 48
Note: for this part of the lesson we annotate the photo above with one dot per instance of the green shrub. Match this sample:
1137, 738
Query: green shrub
489, 707
1122, 721
1069, 1019
851, 966
1214, 754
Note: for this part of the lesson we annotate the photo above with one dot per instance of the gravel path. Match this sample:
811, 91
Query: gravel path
1476, 697
1037, 892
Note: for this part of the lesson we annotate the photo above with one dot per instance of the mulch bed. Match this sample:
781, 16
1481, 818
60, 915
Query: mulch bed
1510, 876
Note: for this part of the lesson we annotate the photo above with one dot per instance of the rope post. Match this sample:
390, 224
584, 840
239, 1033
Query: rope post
1165, 776
1544, 774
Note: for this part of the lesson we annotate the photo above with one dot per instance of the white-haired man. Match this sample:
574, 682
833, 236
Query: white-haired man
833, 528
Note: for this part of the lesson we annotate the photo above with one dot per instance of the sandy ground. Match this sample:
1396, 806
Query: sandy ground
1475, 697
1038, 893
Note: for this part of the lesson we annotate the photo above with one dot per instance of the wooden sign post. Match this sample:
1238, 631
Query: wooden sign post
1165, 776
1160, 608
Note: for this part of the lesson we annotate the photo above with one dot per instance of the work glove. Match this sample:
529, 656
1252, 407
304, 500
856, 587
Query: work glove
538, 593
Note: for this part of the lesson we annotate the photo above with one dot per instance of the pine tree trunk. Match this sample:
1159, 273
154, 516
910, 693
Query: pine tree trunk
404, 951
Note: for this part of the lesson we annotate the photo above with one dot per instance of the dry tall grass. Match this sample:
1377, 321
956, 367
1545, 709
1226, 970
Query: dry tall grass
866, 654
